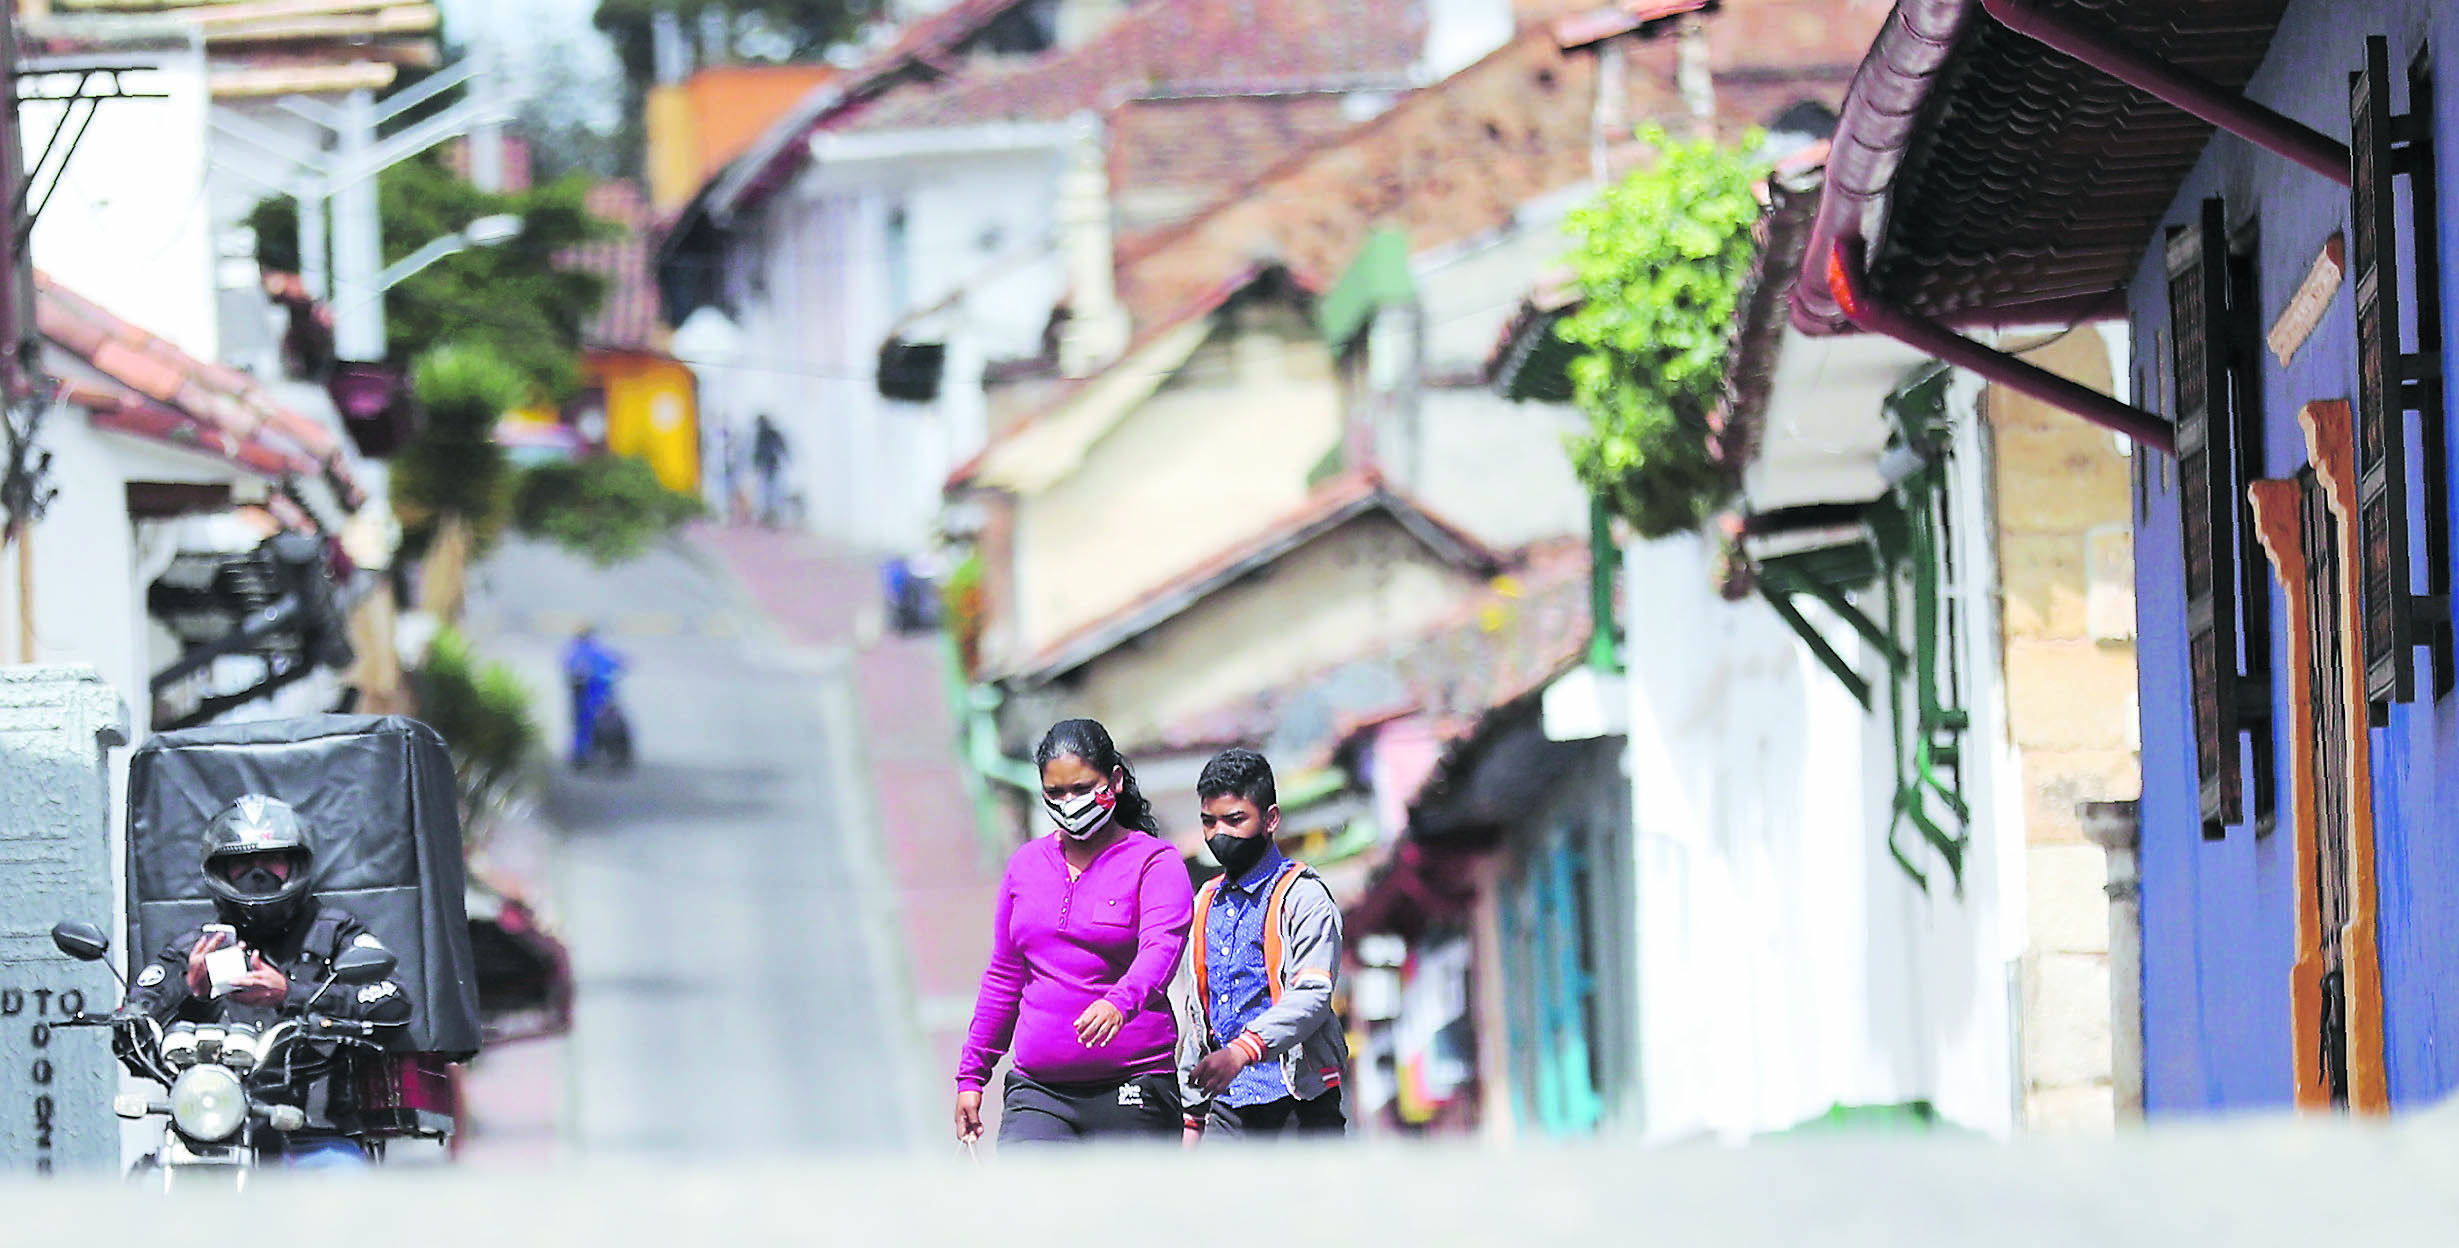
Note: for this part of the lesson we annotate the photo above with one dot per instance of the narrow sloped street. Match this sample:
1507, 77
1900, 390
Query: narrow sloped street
736, 991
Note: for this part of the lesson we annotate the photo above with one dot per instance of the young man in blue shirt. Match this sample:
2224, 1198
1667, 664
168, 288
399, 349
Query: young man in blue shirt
1261, 1049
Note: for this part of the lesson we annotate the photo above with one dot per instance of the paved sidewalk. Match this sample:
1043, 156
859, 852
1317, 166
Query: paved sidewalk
945, 877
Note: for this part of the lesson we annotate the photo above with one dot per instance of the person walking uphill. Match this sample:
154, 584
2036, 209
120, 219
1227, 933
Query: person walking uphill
1091, 926
1261, 1048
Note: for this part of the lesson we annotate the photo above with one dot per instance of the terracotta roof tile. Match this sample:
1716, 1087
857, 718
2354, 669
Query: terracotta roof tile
627, 319
1446, 163
2016, 183
1177, 47
1493, 649
155, 390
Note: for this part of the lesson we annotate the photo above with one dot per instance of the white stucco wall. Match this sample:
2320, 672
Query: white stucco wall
1786, 964
1208, 463
130, 225
829, 276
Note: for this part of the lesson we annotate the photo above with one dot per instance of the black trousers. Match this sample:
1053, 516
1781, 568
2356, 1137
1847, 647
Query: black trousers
1287, 1116
1036, 1112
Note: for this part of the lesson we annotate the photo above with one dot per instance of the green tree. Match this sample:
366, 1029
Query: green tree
608, 508
1661, 262
454, 468
529, 309
515, 297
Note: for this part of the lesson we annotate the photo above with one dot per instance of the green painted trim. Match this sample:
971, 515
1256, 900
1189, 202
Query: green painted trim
1356, 838
1306, 788
1378, 278
1828, 657
1789, 581
977, 746
1604, 631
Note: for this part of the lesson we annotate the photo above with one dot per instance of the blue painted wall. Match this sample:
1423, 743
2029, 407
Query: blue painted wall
2219, 919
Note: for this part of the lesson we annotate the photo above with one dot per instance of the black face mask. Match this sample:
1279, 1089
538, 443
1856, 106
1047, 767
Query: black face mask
256, 880
1237, 854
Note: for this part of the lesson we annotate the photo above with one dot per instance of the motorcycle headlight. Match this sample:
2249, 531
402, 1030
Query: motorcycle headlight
208, 1104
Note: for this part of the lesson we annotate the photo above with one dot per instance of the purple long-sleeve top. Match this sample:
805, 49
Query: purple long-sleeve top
1059, 945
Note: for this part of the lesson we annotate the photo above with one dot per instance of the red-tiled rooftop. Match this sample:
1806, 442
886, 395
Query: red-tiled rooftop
152, 389
2015, 183
1180, 47
627, 318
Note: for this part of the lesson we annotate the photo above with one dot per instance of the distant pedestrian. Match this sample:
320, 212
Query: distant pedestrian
590, 670
730, 474
1259, 1045
768, 460
1091, 925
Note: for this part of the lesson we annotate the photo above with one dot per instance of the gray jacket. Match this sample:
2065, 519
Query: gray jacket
1299, 1030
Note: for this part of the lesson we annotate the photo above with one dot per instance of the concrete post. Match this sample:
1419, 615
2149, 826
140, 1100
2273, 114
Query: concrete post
55, 863
358, 246
2117, 828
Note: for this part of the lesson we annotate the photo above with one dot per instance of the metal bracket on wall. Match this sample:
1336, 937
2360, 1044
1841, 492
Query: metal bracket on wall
96, 83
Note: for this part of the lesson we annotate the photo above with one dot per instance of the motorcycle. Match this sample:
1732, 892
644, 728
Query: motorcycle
216, 1076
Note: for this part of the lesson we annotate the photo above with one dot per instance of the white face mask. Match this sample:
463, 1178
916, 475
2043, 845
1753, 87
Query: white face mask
1084, 814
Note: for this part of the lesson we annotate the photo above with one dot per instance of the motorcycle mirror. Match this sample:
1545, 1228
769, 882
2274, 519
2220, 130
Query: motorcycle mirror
82, 941
361, 964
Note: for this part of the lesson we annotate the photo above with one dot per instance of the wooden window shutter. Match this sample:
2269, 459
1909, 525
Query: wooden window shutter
2207, 505
2390, 381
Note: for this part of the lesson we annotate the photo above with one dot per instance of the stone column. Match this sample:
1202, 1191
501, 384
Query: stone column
55, 863
2117, 829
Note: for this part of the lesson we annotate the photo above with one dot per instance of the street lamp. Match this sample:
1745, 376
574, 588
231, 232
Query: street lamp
490, 231
494, 231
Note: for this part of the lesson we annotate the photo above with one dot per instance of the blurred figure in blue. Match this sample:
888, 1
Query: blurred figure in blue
590, 670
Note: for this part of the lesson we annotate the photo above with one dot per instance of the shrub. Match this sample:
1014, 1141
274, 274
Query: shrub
482, 710
1662, 259
454, 467
606, 508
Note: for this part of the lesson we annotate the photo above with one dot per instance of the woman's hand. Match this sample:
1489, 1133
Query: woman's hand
969, 1115
1099, 1024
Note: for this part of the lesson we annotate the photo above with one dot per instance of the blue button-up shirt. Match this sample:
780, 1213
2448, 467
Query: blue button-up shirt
1234, 969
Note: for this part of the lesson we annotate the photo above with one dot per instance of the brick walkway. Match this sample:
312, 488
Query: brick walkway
946, 877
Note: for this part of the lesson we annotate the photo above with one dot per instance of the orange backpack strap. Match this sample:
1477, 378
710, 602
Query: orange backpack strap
1203, 914
1272, 927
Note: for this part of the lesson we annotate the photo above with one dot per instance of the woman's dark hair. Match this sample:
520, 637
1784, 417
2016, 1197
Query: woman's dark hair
1088, 740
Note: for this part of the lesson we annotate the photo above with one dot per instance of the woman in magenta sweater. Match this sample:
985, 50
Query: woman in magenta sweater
1092, 919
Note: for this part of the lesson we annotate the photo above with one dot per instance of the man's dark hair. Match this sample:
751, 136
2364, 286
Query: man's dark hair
1239, 773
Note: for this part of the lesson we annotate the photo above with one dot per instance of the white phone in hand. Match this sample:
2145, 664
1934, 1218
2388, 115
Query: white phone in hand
227, 963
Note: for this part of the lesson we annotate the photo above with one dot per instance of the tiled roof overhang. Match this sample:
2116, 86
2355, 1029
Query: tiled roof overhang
1999, 182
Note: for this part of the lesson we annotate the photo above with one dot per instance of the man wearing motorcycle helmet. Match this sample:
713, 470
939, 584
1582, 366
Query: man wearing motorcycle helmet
260, 865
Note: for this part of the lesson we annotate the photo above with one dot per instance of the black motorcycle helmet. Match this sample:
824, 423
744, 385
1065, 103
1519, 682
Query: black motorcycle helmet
251, 895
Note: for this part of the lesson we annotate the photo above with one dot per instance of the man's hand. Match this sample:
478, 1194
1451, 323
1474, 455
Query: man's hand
1099, 1024
200, 983
264, 985
1213, 1074
969, 1115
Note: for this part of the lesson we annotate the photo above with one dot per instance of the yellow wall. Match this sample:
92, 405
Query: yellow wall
2065, 557
652, 413
1213, 459
673, 148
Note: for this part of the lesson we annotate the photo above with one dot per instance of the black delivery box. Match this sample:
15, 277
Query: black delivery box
378, 794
